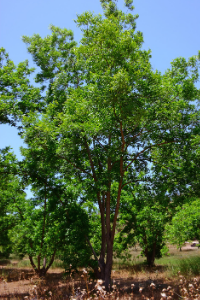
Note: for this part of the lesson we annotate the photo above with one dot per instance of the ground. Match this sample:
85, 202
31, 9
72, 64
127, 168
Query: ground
20, 282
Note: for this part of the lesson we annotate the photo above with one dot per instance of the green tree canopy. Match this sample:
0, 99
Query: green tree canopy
17, 96
11, 193
51, 221
185, 224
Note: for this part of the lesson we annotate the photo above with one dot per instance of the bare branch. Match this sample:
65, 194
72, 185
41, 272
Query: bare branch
94, 253
149, 147
75, 166
51, 261
131, 181
91, 161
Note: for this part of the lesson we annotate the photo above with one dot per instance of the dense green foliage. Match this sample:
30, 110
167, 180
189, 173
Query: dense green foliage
185, 224
143, 218
11, 193
17, 96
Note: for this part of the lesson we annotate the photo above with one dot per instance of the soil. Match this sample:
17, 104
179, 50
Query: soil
17, 283
17, 288
21, 283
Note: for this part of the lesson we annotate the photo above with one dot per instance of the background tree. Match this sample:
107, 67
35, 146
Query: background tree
185, 225
17, 96
11, 192
179, 171
143, 216
52, 221
43, 232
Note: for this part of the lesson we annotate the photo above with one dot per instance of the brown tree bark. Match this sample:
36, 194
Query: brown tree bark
109, 262
41, 272
150, 255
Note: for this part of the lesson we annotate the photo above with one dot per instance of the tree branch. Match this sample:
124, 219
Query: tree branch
149, 147
51, 261
91, 162
32, 263
131, 182
90, 245
75, 165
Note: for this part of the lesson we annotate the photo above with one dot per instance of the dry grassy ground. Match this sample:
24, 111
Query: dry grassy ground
131, 280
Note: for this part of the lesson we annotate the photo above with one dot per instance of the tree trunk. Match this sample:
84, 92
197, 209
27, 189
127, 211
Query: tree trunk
109, 262
150, 255
42, 272
44, 262
103, 248
150, 259
102, 268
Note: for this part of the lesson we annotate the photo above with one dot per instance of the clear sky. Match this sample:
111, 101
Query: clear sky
171, 29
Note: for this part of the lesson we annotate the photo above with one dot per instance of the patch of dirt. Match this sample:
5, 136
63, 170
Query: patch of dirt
15, 281
188, 247
18, 283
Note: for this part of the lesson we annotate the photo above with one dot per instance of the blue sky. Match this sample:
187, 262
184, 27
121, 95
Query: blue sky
171, 29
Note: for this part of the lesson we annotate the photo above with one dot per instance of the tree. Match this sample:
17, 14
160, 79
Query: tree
16, 91
179, 171
51, 221
143, 220
106, 111
48, 223
185, 225
45, 230
146, 208
11, 192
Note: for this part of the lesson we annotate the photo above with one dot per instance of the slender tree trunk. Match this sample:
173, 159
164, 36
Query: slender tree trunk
32, 263
51, 261
101, 264
109, 262
42, 272
102, 268
44, 262
150, 255
103, 244
150, 259
39, 263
